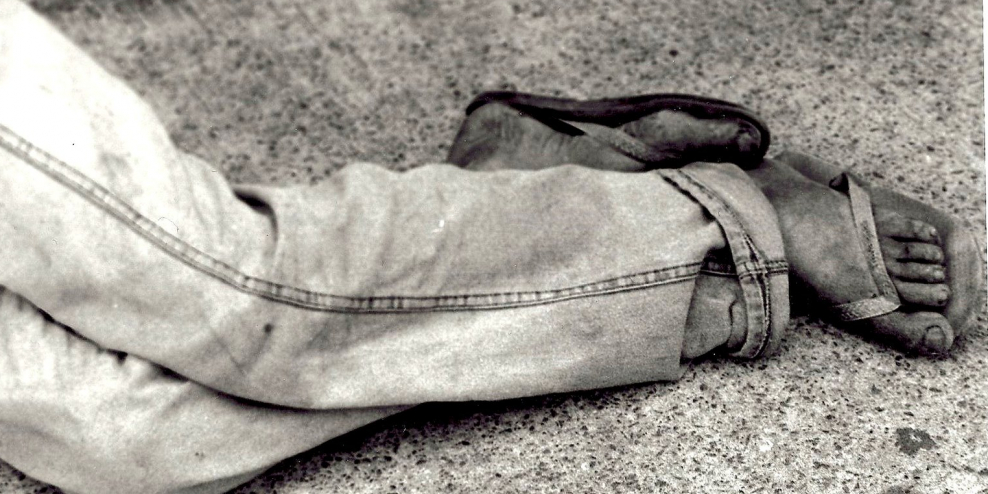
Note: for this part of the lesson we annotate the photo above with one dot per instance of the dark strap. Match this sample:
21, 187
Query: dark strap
887, 299
624, 143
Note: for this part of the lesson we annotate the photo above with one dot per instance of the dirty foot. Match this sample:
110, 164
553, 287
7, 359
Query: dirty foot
904, 221
496, 136
836, 275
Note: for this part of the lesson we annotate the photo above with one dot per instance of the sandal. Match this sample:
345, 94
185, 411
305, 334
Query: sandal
965, 266
602, 119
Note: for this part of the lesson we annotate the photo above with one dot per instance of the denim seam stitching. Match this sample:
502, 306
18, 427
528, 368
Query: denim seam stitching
749, 242
758, 267
189, 255
768, 267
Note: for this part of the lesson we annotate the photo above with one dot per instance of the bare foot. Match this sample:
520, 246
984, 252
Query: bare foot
495, 136
692, 139
498, 137
906, 228
830, 265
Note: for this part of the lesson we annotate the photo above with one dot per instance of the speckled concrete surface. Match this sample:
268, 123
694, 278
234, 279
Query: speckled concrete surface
290, 90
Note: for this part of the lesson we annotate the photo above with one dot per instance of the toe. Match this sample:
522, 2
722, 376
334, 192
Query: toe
923, 294
916, 271
916, 332
937, 339
920, 251
911, 251
900, 227
695, 138
746, 140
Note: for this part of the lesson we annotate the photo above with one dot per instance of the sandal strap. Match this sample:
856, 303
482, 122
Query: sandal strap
887, 299
622, 142
600, 119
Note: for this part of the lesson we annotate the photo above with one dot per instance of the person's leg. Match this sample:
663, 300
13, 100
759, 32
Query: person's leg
374, 288
495, 136
927, 251
91, 420
907, 275
818, 220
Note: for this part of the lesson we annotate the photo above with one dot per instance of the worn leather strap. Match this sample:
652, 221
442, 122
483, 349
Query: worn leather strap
602, 119
623, 143
887, 298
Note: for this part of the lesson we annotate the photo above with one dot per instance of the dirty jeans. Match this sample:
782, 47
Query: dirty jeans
164, 331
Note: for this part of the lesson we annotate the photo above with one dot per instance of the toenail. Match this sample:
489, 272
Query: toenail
939, 273
944, 294
933, 232
747, 140
935, 338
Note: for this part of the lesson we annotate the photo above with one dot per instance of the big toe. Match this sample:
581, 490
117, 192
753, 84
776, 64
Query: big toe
697, 139
927, 333
748, 139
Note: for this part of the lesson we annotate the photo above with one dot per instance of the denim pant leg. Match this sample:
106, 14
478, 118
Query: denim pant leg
91, 420
373, 289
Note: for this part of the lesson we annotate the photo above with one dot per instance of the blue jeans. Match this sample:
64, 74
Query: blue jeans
169, 296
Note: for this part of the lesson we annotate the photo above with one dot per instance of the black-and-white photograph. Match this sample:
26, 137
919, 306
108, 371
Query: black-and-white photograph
492, 246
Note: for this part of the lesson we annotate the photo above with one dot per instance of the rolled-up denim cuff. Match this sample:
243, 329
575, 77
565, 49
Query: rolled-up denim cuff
751, 228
